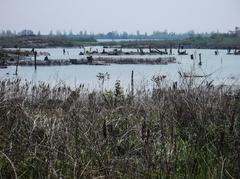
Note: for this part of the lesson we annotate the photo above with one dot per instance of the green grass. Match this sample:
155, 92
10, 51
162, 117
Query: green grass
54, 132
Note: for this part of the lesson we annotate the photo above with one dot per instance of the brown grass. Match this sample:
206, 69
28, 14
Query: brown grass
59, 132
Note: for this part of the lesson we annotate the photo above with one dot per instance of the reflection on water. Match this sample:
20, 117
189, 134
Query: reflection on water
223, 69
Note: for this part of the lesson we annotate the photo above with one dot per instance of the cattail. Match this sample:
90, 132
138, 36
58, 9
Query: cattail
222, 136
143, 130
104, 128
147, 135
111, 130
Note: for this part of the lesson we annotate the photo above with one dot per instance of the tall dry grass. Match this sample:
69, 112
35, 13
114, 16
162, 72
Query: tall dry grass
174, 132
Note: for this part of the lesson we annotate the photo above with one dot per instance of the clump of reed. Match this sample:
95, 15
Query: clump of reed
178, 131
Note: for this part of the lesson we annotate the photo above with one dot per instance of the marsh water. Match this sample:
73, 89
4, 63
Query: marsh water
221, 68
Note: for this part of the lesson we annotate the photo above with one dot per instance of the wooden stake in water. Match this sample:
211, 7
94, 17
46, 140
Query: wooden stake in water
35, 59
132, 83
17, 63
200, 59
170, 53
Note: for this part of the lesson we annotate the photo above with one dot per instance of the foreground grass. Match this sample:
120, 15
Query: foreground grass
167, 133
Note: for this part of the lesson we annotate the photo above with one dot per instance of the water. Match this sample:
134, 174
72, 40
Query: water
223, 69
125, 40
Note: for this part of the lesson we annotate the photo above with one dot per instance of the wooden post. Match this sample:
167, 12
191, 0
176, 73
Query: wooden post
200, 59
17, 63
132, 84
35, 59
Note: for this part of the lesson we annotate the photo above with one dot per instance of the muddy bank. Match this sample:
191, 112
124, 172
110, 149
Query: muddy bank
95, 61
29, 58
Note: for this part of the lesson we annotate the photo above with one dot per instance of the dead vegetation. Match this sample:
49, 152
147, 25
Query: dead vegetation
175, 132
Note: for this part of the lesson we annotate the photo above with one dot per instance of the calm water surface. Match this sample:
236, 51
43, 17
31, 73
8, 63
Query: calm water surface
223, 69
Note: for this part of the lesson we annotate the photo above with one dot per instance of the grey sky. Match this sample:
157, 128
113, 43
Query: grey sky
122, 15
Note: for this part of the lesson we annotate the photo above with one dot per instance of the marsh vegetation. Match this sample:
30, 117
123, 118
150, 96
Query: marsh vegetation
179, 131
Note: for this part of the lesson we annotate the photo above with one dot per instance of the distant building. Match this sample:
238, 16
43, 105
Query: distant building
138, 33
237, 31
125, 35
58, 33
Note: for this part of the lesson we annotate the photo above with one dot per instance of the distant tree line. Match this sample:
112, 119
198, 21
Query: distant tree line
28, 38
158, 35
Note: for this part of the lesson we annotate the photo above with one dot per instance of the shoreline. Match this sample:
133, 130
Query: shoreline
95, 61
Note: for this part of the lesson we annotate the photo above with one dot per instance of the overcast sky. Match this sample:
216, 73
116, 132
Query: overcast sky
122, 15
